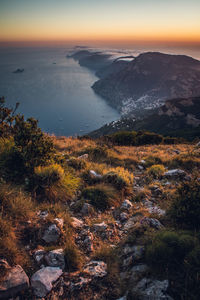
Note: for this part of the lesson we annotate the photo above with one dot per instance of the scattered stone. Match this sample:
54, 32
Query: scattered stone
149, 289
94, 174
123, 298
14, 281
51, 234
80, 283
174, 174
151, 222
100, 227
39, 255
96, 268
86, 209
156, 210
76, 223
123, 216
42, 214
42, 280
84, 156
127, 262
140, 167
55, 258
129, 224
126, 204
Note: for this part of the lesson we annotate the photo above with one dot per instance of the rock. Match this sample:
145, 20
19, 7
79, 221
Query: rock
80, 283
151, 222
76, 223
86, 209
42, 280
137, 272
14, 281
198, 144
94, 174
39, 255
84, 156
55, 258
96, 268
149, 289
140, 167
100, 227
156, 210
122, 298
88, 242
137, 251
42, 214
175, 174
126, 204
51, 234
123, 216
129, 224
127, 262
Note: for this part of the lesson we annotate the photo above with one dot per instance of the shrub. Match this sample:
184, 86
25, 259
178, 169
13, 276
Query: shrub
100, 196
185, 208
117, 181
97, 154
152, 160
35, 147
124, 138
53, 184
75, 163
148, 138
48, 175
122, 173
15, 204
168, 250
156, 171
6, 118
73, 258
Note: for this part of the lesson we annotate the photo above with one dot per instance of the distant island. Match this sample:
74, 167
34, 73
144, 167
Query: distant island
17, 71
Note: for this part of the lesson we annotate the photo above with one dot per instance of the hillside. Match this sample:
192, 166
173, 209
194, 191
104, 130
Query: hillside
148, 80
177, 117
89, 219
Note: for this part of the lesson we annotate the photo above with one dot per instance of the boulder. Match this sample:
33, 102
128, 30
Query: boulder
150, 289
14, 281
96, 268
136, 251
175, 174
55, 258
51, 234
123, 217
126, 204
137, 272
42, 281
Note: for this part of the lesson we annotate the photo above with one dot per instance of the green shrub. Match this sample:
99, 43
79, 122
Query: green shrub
156, 171
117, 181
124, 138
97, 154
148, 138
100, 196
168, 250
48, 175
6, 118
152, 160
185, 208
35, 147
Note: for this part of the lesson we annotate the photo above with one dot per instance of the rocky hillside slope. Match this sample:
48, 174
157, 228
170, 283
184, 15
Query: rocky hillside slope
177, 117
95, 224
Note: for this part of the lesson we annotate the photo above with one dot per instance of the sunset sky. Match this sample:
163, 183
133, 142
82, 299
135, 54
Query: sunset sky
103, 20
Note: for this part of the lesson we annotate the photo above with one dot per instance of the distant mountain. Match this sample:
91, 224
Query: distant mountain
148, 80
177, 117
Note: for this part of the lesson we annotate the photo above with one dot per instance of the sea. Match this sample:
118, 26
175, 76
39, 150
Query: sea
56, 90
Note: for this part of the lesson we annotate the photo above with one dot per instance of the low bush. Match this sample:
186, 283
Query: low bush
152, 160
100, 196
75, 163
48, 175
185, 208
168, 250
156, 171
116, 180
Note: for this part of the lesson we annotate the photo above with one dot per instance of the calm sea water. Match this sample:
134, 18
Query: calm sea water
53, 89
56, 90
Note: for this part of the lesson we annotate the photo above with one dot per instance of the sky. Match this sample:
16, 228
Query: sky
175, 21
